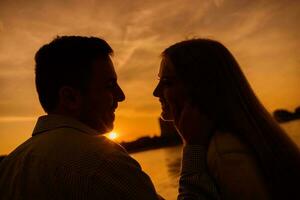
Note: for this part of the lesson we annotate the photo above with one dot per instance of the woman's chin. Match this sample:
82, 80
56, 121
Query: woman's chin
166, 117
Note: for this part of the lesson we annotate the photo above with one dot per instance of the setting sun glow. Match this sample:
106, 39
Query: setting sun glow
112, 135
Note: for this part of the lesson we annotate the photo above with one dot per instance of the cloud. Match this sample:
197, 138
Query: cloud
262, 34
1, 26
17, 119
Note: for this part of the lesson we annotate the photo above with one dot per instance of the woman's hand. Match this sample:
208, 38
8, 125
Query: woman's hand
193, 126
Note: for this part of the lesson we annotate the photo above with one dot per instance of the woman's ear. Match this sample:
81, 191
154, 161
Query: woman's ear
70, 98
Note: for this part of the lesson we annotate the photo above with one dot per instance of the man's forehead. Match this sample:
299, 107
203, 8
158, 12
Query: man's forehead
104, 67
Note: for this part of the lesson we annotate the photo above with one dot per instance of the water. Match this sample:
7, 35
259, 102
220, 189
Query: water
163, 165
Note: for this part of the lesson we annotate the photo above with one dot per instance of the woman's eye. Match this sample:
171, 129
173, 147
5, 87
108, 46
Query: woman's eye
166, 82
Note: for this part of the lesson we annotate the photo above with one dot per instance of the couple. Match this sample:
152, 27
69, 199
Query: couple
233, 149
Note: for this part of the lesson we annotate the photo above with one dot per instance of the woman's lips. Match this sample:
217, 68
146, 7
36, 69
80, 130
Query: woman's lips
164, 106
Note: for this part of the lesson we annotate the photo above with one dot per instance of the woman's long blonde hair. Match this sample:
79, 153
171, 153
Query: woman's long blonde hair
217, 84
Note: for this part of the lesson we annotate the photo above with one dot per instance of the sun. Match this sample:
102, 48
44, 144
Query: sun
112, 135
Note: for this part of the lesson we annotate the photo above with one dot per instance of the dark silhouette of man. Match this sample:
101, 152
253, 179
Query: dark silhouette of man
66, 157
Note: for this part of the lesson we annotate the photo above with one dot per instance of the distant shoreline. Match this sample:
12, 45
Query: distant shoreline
283, 115
149, 143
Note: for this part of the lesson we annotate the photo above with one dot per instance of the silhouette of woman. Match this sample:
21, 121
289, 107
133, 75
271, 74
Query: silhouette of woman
203, 90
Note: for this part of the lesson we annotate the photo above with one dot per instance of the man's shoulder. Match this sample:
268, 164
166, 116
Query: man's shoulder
76, 140
69, 147
97, 157
73, 140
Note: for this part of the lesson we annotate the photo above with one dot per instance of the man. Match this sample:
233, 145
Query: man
66, 157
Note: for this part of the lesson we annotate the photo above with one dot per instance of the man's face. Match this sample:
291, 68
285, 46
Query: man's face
101, 97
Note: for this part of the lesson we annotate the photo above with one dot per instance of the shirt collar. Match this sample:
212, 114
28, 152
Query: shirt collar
53, 121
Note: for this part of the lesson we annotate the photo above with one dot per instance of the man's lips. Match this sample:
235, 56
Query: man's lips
114, 107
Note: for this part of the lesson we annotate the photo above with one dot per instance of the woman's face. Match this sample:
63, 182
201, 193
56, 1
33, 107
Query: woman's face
170, 91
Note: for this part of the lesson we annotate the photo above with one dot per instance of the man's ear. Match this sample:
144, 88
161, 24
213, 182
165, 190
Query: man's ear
70, 98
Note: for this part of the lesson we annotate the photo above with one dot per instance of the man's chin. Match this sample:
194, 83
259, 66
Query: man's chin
109, 128
105, 128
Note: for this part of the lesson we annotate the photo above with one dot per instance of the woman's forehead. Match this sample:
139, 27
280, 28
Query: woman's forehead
166, 68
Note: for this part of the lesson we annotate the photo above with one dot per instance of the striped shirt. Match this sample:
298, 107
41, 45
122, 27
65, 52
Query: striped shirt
195, 183
65, 159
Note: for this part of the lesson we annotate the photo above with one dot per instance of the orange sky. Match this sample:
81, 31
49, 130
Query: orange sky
262, 34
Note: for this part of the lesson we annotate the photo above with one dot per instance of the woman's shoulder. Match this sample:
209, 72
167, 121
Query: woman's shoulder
226, 142
234, 166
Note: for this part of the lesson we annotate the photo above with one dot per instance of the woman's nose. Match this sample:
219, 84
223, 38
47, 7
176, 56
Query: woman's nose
156, 91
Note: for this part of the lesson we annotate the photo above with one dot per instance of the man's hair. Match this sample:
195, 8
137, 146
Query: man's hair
66, 61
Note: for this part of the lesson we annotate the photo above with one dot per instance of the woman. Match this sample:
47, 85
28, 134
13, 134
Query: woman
203, 90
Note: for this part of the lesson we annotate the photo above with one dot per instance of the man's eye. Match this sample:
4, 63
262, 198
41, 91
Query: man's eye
111, 85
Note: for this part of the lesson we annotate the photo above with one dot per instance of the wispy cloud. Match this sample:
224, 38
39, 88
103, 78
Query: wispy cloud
17, 119
262, 34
